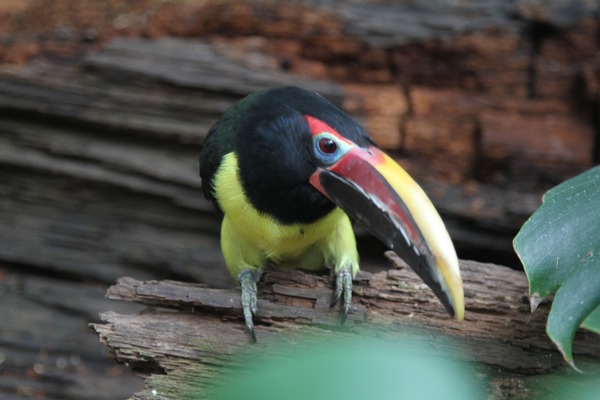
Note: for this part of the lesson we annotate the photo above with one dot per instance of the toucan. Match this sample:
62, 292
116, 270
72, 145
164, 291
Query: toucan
288, 170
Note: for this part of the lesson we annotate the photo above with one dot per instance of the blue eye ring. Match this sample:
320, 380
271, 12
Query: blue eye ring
328, 149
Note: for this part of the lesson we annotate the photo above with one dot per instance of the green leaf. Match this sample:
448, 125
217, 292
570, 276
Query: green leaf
592, 322
562, 233
559, 247
577, 298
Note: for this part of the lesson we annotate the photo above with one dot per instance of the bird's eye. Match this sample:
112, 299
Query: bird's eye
327, 145
328, 149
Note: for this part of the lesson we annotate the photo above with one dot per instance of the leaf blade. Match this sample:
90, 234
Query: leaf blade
559, 247
560, 234
592, 322
576, 299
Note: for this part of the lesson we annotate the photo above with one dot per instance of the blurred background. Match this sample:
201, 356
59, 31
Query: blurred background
104, 106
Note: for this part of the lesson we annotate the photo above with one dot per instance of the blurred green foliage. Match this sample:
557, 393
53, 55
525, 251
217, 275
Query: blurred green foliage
353, 369
568, 386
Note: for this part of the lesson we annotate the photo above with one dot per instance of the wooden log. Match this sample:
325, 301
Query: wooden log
99, 179
134, 144
557, 145
502, 140
190, 348
98, 159
193, 85
124, 128
45, 350
442, 125
193, 65
379, 109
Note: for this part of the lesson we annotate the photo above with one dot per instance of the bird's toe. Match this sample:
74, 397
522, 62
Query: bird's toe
248, 279
343, 286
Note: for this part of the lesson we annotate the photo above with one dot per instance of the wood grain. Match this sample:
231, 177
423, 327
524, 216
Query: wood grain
197, 331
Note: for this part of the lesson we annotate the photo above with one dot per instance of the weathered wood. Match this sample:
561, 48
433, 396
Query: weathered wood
506, 342
110, 90
193, 65
120, 145
99, 179
98, 153
45, 350
130, 145
535, 139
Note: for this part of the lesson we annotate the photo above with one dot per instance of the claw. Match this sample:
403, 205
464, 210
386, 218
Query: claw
338, 290
248, 279
343, 285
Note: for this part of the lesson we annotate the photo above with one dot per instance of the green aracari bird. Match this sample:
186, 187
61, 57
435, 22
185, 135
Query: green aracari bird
288, 169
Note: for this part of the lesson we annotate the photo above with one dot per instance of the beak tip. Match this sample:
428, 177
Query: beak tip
459, 306
459, 315
444, 277
458, 300
452, 284
456, 311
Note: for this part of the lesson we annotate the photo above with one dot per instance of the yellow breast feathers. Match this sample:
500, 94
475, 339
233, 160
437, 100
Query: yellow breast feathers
251, 239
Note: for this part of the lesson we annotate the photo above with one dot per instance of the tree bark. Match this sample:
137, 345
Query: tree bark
193, 333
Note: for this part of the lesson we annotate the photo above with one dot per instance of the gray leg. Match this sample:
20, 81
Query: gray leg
248, 279
343, 284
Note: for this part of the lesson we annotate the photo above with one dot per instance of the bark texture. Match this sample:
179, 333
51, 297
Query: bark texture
104, 105
193, 334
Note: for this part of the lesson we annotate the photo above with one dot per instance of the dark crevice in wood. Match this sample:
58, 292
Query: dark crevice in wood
536, 32
402, 81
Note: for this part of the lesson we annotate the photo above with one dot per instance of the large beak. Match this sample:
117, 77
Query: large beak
374, 190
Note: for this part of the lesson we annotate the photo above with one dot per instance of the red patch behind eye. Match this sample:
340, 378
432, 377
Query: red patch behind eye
317, 126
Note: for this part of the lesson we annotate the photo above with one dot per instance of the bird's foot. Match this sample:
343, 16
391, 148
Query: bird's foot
248, 279
343, 285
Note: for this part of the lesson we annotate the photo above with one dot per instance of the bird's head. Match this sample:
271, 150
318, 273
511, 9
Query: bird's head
300, 144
